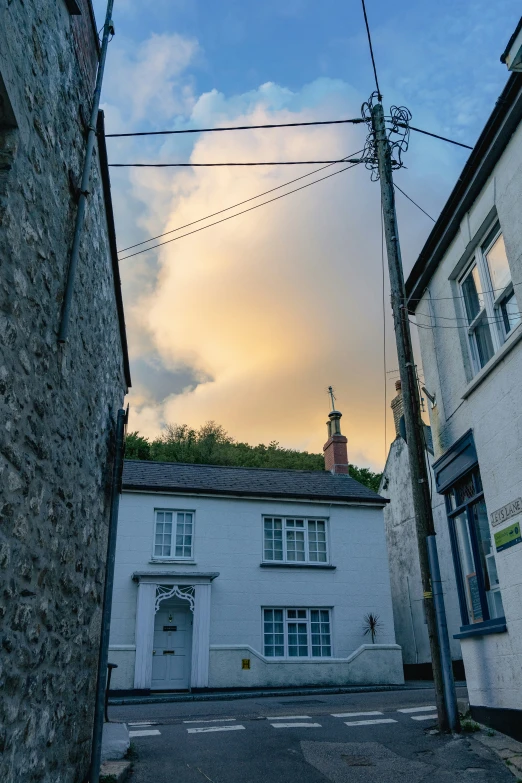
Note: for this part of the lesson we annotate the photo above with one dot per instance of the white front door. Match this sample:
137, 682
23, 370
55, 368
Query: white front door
172, 648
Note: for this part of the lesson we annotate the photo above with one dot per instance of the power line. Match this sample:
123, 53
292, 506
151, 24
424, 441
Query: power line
264, 163
460, 296
276, 198
435, 135
379, 96
354, 121
239, 204
412, 201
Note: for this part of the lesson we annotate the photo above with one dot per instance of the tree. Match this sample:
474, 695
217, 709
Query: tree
137, 447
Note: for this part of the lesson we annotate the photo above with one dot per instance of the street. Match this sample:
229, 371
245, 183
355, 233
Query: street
378, 737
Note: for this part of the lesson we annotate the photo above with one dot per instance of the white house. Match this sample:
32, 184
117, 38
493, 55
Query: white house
411, 630
242, 577
466, 293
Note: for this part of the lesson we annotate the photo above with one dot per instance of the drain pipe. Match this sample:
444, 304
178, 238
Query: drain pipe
450, 695
99, 705
108, 29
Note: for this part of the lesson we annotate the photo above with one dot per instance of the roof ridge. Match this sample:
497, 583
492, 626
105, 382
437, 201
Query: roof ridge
236, 467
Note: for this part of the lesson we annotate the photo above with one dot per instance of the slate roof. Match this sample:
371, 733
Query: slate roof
249, 482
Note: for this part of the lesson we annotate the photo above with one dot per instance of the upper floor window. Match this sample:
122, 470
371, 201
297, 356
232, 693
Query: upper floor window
295, 540
489, 299
173, 534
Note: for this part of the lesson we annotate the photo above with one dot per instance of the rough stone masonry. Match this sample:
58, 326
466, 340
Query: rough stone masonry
57, 403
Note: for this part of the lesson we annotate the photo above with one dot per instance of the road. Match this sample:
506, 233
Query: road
349, 738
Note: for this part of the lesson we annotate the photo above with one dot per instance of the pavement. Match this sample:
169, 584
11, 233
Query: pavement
377, 737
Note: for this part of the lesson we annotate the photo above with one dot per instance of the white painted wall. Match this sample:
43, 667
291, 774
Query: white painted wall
228, 539
401, 538
493, 409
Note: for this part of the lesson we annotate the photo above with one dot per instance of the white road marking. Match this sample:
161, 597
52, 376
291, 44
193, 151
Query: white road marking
213, 720
296, 725
145, 733
353, 714
417, 709
369, 722
142, 723
290, 717
424, 717
204, 729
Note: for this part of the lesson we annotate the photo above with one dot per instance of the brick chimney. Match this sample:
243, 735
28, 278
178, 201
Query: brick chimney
335, 449
397, 406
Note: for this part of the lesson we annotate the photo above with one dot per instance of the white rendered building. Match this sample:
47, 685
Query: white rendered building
243, 577
466, 293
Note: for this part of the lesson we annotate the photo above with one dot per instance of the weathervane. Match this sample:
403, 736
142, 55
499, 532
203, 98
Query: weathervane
332, 396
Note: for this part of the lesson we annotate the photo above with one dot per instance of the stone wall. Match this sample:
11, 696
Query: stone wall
57, 403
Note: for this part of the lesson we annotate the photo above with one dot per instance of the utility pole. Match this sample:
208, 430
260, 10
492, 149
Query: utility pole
435, 615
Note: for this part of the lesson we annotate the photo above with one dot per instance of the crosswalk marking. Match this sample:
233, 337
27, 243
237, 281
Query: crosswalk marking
289, 717
144, 733
212, 720
353, 714
417, 709
369, 722
205, 729
296, 725
424, 717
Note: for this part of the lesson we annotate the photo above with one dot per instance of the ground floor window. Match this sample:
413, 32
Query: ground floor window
477, 579
297, 633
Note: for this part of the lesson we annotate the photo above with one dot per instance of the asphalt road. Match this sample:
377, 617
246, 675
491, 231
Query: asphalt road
304, 740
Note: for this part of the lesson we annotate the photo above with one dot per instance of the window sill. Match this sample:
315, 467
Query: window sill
324, 566
498, 625
510, 343
168, 560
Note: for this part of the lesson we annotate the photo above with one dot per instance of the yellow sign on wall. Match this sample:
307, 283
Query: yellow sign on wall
245, 663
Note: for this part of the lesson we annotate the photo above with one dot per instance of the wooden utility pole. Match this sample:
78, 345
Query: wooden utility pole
442, 671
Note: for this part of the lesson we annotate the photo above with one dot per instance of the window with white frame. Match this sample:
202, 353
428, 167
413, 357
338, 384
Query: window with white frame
489, 298
292, 540
173, 534
297, 633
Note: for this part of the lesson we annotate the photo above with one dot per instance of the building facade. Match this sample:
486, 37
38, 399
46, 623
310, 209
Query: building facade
244, 577
466, 293
58, 403
401, 539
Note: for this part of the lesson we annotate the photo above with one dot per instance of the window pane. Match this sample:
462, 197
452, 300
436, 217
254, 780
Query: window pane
472, 293
157, 550
483, 342
487, 557
510, 312
498, 265
468, 569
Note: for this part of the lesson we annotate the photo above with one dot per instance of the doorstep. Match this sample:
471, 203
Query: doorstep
159, 698
115, 771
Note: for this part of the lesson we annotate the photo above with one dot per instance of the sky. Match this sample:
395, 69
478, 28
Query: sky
248, 322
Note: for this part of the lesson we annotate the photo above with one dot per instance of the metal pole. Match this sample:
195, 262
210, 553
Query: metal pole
94, 774
84, 187
410, 394
442, 627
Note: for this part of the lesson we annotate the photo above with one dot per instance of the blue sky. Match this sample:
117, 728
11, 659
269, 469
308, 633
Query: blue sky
263, 312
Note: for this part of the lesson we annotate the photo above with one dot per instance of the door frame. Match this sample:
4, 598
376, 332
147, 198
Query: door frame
155, 587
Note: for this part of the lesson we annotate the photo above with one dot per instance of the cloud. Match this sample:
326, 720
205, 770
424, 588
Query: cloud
248, 322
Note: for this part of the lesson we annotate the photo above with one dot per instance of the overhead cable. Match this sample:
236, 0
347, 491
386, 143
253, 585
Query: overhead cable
354, 121
436, 136
239, 204
412, 201
205, 165
379, 95
202, 228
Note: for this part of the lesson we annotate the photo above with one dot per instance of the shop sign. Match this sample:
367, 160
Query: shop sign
506, 512
507, 537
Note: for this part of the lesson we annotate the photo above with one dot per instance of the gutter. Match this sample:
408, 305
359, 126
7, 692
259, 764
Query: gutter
106, 184
492, 142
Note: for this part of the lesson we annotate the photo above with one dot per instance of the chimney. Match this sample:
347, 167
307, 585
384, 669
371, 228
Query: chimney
335, 449
397, 407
